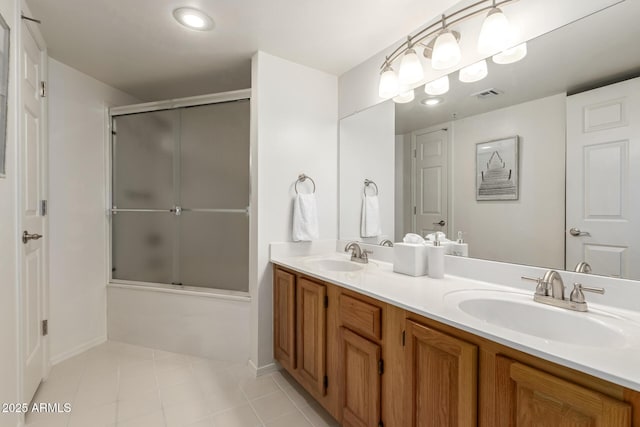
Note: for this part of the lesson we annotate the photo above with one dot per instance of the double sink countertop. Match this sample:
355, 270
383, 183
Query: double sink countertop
604, 342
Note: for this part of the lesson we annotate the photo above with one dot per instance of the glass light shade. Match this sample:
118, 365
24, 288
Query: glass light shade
389, 85
512, 55
474, 72
495, 33
410, 68
404, 97
446, 52
437, 87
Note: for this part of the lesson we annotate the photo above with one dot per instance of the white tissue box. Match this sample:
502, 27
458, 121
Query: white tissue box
410, 259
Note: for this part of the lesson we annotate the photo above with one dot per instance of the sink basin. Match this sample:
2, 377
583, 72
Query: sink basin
520, 313
336, 265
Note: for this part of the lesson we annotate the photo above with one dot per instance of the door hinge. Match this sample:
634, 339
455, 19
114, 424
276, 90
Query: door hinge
43, 89
380, 367
45, 328
415, 153
404, 338
415, 210
326, 301
325, 382
43, 207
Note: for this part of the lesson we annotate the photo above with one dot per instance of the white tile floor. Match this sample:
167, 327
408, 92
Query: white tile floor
123, 385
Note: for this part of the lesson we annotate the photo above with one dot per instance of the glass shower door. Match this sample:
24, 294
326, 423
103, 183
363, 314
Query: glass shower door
180, 196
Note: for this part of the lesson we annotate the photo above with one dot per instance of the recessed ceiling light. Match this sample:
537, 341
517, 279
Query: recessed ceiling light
431, 101
193, 18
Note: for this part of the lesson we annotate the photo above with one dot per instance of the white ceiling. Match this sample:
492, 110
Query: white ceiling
599, 49
136, 46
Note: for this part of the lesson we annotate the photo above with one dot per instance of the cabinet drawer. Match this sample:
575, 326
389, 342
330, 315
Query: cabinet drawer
361, 317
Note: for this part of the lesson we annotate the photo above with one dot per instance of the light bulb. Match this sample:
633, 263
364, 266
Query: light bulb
495, 33
446, 52
512, 55
437, 87
474, 72
410, 68
389, 85
193, 18
404, 97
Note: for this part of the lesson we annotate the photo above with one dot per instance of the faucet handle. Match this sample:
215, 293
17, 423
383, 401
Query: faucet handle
541, 286
577, 294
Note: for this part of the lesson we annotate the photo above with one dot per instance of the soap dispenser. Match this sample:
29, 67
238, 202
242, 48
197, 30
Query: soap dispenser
435, 259
460, 248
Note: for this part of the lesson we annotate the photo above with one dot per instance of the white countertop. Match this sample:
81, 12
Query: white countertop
436, 299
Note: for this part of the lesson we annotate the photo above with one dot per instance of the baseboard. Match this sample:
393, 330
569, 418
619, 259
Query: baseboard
263, 370
77, 350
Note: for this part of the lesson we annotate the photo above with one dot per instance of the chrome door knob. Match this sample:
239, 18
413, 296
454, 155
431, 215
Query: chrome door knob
441, 223
26, 237
577, 232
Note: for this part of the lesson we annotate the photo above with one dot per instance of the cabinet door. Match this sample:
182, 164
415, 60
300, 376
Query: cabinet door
284, 319
312, 320
530, 397
360, 381
441, 379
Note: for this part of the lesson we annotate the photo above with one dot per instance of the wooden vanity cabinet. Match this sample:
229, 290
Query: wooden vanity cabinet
529, 397
372, 364
442, 378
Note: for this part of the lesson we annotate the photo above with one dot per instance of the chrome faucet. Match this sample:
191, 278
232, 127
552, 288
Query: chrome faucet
386, 242
357, 254
550, 290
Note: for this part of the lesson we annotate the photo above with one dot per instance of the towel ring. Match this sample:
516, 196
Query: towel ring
368, 182
302, 178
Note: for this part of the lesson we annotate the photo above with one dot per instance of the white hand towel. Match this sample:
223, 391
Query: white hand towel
370, 223
413, 238
305, 218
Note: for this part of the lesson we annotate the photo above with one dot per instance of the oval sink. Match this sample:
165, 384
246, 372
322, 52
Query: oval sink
336, 265
520, 313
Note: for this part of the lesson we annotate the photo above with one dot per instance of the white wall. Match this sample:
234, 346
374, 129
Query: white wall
367, 148
9, 235
294, 130
358, 87
77, 208
525, 231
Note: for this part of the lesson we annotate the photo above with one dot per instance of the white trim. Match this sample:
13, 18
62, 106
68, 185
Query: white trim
78, 349
182, 290
263, 370
191, 101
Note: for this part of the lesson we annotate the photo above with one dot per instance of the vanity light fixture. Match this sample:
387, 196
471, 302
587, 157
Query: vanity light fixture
410, 67
512, 55
194, 19
440, 44
405, 97
474, 72
430, 102
495, 33
437, 87
389, 84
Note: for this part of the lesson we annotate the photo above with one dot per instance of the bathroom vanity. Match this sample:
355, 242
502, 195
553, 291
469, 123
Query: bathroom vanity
377, 348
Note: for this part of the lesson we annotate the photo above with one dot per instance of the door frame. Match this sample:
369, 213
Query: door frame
449, 127
44, 138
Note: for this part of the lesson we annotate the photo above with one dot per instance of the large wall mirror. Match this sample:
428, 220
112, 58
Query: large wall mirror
538, 163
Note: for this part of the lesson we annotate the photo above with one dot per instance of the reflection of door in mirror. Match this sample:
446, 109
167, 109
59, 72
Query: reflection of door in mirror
430, 188
603, 197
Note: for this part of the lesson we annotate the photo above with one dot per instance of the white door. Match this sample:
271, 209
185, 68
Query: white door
603, 177
33, 180
430, 181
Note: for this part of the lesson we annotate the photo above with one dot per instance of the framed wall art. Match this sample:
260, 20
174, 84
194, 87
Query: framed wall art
497, 169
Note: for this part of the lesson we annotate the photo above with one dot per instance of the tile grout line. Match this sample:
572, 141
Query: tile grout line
294, 403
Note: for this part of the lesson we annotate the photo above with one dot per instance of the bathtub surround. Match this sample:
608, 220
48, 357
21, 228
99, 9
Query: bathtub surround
294, 130
78, 223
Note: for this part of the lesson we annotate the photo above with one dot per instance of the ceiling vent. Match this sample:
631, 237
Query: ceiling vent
487, 93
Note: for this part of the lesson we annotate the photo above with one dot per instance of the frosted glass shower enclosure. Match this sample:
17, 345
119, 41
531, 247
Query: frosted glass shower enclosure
180, 195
